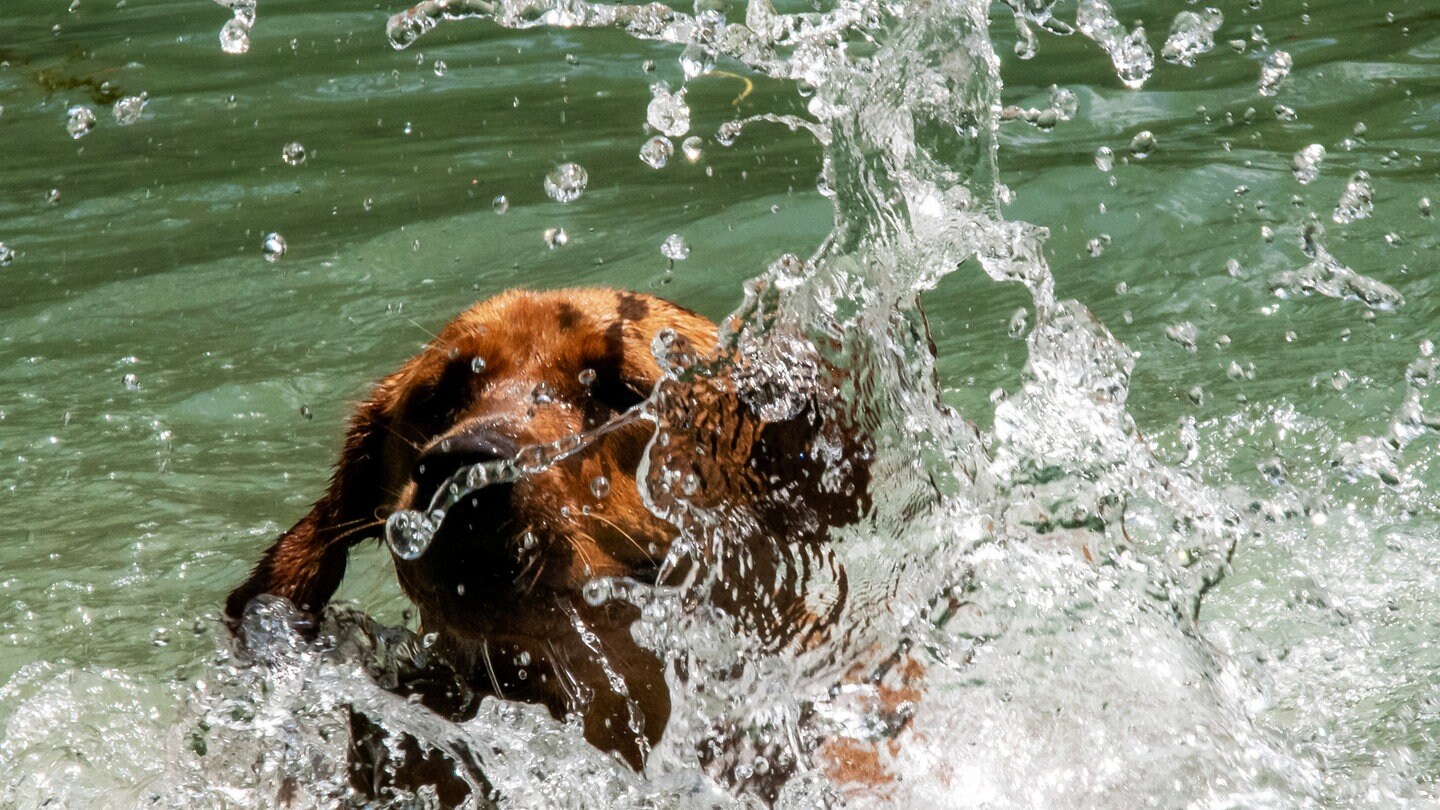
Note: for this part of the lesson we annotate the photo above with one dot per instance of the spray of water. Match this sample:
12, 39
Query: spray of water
1047, 574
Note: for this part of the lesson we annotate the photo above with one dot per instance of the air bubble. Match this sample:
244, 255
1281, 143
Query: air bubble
293, 153
1425, 209
477, 364
566, 182
657, 151
1104, 158
441, 67
600, 487
542, 394
130, 382
81, 120
408, 533
691, 148
274, 247
1142, 144
501, 204
675, 248
587, 377
129, 109
556, 237
7, 255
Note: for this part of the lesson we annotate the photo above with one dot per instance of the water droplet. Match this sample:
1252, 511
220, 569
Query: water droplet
1357, 201
441, 67
556, 237
477, 364
501, 204
691, 147
599, 487
542, 394
1142, 144
1306, 163
129, 109
130, 382
235, 36
306, 413
1129, 52
1191, 35
690, 484
788, 270
1273, 71
1425, 209
1183, 333
293, 153
656, 152
52, 196
81, 120
668, 113
675, 248
408, 533
369, 204
1019, 322
7, 255
587, 377
566, 182
528, 541
648, 66
274, 247
1104, 158
695, 61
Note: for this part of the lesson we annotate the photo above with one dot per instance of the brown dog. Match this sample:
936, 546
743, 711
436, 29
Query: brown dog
508, 384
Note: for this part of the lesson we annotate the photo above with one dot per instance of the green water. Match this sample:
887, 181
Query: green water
132, 507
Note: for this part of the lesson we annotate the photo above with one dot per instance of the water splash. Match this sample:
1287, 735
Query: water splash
1049, 572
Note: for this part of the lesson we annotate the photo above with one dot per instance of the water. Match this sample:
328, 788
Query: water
1187, 521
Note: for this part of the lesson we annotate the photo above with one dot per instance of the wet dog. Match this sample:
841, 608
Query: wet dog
509, 384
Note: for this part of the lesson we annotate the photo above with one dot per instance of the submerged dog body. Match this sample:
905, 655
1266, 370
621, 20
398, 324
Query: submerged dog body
501, 582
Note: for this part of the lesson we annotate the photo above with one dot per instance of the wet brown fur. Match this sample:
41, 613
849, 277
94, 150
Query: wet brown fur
502, 581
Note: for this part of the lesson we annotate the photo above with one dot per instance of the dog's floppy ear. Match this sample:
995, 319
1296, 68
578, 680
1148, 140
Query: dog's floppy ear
306, 563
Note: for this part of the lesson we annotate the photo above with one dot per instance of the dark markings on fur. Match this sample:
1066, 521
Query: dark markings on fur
567, 316
632, 307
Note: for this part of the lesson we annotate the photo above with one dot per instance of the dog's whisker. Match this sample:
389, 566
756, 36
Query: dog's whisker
490, 668
432, 335
358, 529
580, 551
414, 445
627, 536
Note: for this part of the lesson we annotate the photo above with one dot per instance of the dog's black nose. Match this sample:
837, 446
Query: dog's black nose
444, 457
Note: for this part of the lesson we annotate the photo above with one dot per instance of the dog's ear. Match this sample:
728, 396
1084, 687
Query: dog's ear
758, 466
306, 563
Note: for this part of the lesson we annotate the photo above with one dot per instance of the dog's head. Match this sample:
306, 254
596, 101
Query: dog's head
502, 575
509, 378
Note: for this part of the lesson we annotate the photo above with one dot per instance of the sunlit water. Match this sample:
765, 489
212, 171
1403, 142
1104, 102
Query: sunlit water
1158, 517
